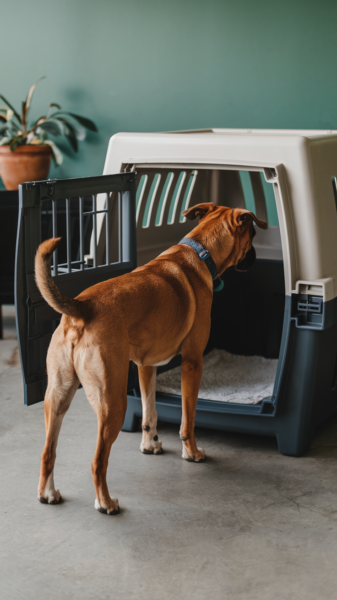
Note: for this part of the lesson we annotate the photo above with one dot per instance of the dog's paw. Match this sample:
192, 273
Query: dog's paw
113, 508
50, 497
198, 456
152, 447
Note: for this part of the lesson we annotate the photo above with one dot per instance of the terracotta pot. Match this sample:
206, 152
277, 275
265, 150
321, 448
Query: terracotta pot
25, 163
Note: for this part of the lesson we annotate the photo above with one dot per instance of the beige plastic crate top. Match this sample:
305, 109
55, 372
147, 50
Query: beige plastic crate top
301, 166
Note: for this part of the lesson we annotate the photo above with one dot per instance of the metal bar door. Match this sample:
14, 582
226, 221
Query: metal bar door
73, 272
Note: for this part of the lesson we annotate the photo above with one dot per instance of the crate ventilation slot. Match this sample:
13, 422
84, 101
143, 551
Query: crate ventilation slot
165, 196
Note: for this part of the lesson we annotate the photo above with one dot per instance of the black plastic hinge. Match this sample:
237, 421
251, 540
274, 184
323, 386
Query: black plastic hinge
47, 188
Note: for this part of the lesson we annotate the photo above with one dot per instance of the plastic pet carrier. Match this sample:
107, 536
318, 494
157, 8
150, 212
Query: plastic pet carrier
270, 366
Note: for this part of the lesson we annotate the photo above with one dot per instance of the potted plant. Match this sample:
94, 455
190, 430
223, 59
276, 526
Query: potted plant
25, 150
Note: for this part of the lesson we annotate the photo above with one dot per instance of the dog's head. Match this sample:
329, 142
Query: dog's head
227, 233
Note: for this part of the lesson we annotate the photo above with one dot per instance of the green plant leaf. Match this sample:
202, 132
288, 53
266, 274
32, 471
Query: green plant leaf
16, 141
38, 122
24, 114
31, 92
57, 154
26, 104
5, 140
87, 123
51, 105
11, 107
12, 126
51, 126
70, 132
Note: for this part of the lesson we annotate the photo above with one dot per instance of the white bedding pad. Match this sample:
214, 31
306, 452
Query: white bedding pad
228, 378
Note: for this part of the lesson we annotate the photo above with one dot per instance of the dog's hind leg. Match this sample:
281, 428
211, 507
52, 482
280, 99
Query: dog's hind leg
104, 376
147, 382
62, 385
191, 372
109, 426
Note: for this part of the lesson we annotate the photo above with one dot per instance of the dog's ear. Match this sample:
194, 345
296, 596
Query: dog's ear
199, 210
245, 216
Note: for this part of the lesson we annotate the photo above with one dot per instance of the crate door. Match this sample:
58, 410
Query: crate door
68, 208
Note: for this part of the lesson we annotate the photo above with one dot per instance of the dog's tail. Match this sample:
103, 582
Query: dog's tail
56, 299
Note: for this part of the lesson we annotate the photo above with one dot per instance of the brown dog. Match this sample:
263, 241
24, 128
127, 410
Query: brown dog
150, 315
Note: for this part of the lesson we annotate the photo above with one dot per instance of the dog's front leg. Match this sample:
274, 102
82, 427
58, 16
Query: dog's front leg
147, 381
191, 372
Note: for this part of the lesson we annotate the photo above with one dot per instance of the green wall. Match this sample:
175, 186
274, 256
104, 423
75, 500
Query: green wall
154, 65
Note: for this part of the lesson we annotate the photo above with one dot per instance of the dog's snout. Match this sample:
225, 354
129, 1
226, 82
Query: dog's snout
248, 261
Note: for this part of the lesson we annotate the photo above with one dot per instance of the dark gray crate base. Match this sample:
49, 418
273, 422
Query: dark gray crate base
292, 440
305, 394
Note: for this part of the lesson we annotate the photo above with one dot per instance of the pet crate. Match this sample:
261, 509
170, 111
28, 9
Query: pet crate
270, 366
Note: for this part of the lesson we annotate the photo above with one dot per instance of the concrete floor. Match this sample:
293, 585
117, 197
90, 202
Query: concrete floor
246, 524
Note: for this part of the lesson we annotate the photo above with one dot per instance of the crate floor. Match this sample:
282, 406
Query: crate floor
228, 378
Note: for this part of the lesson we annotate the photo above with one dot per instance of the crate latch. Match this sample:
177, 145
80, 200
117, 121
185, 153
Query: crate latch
312, 305
308, 311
